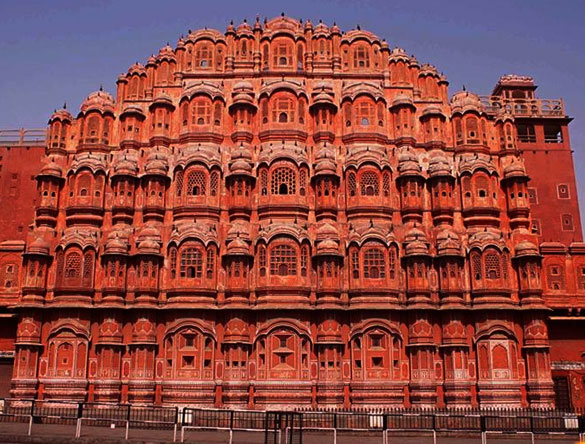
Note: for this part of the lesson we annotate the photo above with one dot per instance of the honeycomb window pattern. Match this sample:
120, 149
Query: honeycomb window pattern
283, 181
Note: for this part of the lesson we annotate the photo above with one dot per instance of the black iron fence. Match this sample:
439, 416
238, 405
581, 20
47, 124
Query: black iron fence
291, 424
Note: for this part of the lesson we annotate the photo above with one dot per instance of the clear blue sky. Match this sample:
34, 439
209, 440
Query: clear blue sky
56, 51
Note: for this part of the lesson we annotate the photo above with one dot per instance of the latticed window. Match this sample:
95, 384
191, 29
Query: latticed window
264, 111
8, 275
304, 260
283, 261
213, 183
392, 262
262, 260
217, 114
347, 114
203, 56
196, 183
374, 266
476, 265
282, 55
201, 113
283, 110
173, 263
302, 181
185, 113
179, 183
355, 264
386, 184
493, 266
72, 266
505, 262
369, 184
88, 268
361, 57
191, 263
364, 113
381, 111
301, 111
210, 262
264, 181
283, 181
351, 184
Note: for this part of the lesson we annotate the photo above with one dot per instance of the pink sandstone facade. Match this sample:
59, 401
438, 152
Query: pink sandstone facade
287, 215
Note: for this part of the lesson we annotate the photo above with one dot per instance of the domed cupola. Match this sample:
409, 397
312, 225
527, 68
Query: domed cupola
469, 119
433, 125
326, 182
59, 130
115, 266
49, 180
528, 261
96, 120
243, 110
148, 261
328, 260
402, 108
515, 184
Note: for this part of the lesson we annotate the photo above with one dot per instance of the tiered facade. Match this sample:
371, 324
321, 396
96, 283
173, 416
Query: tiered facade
281, 215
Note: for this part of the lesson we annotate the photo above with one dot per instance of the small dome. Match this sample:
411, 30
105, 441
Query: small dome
125, 166
133, 109
464, 101
327, 231
116, 245
238, 247
243, 85
148, 247
98, 100
137, 68
526, 248
328, 247
241, 162
448, 244
416, 243
62, 114
39, 247
162, 99
51, 169
515, 170
156, 165
402, 100
408, 164
399, 54
439, 166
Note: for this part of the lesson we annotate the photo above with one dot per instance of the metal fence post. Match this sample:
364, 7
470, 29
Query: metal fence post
176, 422
32, 413
79, 416
128, 421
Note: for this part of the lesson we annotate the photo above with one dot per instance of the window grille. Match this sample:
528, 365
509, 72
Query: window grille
386, 184
72, 266
83, 185
492, 266
374, 267
283, 111
355, 264
217, 114
213, 182
179, 183
476, 265
302, 182
392, 262
191, 263
201, 113
264, 181
283, 181
347, 114
361, 57
282, 55
262, 260
351, 184
304, 260
203, 56
8, 275
370, 185
196, 183
173, 263
283, 261
364, 113
88, 269
210, 262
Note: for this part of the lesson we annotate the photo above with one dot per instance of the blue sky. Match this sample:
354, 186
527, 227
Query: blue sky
56, 51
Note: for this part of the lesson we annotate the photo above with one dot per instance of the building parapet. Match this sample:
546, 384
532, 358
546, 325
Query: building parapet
20, 137
524, 107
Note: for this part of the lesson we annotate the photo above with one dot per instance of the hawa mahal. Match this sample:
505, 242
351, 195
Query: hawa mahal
285, 214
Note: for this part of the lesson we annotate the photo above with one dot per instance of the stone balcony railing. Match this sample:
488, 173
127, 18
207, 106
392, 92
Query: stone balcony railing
524, 107
23, 137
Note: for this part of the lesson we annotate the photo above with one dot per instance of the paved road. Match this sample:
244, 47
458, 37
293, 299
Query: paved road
13, 433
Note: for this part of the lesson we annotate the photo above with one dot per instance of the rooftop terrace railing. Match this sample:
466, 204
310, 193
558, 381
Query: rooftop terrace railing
23, 137
524, 107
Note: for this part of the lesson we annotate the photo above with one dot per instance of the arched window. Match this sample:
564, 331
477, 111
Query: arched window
213, 183
304, 260
88, 269
351, 184
264, 110
374, 264
264, 181
347, 113
386, 184
196, 183
93, 124
191, 263
179, 183
392, 259
72, 271
361, 57
210, 262
262, 260
203, 56
282, 54
185, 113
84, 184
217, 114
472, 129
369, 184
201, 112
476, 265
364, 112
283, 260
283, 110
173, 262
134, 87
283, 181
